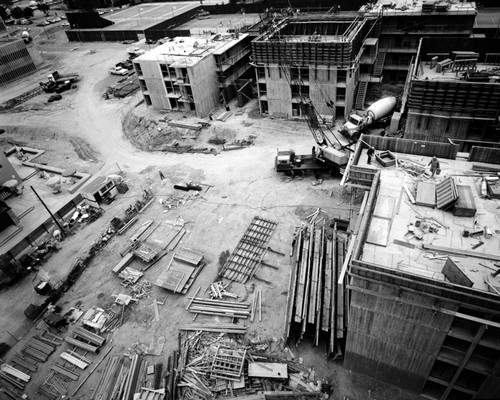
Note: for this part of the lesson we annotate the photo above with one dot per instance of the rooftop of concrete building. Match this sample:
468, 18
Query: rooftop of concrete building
429, 72
399, 229
419, 7
187, 51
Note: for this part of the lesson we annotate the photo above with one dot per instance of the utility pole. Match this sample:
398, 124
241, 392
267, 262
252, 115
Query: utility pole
63, 232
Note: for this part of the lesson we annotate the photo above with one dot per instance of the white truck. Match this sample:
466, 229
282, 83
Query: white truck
356, 124
118, 71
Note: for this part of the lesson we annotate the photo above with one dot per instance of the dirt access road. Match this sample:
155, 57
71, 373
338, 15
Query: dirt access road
244, 185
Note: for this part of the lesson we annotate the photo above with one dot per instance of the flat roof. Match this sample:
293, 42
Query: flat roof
403, 7
394, 218
219, 23
146, 15
187, 51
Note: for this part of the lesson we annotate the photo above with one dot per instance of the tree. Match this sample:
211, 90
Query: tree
28, 12
3, 13
43, 8
17, 13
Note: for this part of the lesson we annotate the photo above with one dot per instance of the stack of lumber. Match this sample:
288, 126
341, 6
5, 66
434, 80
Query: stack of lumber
465, 205
85, 340
14, 376
446, 193
40, 347
250, 250
74, 360
181, 272
112, 379
185, 125
316, 303
220, 308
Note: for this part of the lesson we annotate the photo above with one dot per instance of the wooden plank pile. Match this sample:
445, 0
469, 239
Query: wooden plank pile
14, 376
40, 347
221, 308
217, 290
316, 303
250, 250
85, 340
185, 265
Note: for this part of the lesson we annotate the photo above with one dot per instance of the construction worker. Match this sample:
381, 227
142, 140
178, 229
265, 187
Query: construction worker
162, 177
370, 153
434, 163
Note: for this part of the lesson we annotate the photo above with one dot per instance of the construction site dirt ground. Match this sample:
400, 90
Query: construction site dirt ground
85, 131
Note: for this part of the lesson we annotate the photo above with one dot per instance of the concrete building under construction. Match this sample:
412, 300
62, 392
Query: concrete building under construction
401, 24
309, 58
454, 92
424, 311
188, 73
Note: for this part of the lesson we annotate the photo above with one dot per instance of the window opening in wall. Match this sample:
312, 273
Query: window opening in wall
339, 112
341, 76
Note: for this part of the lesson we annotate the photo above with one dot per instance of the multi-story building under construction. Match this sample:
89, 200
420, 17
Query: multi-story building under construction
309, 59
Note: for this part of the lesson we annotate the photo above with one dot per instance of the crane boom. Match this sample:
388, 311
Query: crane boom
314, 126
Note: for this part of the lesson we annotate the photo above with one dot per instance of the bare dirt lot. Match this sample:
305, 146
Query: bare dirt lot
85, 131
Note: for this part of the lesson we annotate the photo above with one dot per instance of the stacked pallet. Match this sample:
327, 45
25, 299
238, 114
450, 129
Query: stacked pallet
220, 308
316, 303
185, 265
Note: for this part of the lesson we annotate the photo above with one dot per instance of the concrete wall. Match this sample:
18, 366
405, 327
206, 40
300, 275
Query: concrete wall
423, 126
394, 335
153, 78
15, 61
279, 94
204, 85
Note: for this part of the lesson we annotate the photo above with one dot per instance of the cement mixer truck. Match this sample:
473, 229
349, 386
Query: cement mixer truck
356, 124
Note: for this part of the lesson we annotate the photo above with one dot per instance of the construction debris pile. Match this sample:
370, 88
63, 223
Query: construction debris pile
317, 303
220, 364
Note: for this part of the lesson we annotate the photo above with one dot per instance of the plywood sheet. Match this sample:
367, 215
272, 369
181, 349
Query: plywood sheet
378, 233
175, 277
426, 194
384, 207
267, 370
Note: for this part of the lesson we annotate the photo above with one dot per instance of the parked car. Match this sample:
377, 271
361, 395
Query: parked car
54, 97
65, 23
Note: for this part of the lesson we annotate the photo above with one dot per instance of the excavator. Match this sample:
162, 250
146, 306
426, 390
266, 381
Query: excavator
324, 157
